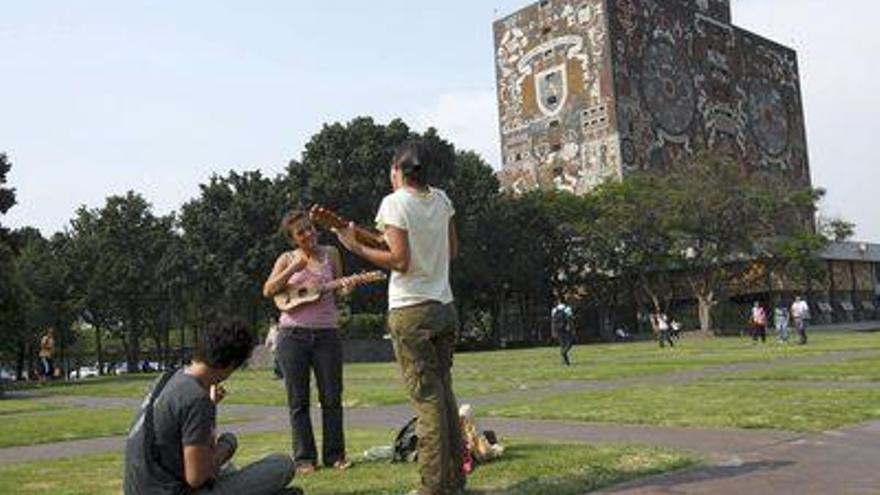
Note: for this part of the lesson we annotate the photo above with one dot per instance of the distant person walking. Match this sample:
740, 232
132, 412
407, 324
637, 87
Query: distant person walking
661, 327
800, 313
780, 320
758, 322
47, 355
562, 329
272, 345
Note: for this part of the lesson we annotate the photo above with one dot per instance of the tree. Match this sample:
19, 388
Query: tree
14, 297
626, 244
230, 240
721, 219
45, 274
116, 249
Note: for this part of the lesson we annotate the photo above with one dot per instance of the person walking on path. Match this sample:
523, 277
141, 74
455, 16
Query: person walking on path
661, 326
758, 321
172, 447
417, 221
47, 355
309, 340
780, 320
800, 313
562, 329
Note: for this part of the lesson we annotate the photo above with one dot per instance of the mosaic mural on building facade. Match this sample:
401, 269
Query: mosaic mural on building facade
658, 81
555, 93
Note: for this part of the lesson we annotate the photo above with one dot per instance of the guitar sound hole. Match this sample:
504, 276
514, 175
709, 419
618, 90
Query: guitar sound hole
302, 292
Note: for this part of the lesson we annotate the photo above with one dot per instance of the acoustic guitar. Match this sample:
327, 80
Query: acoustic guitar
293, 297
329, 219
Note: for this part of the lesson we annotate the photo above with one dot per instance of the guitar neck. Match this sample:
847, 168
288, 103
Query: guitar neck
369, 238
365, 236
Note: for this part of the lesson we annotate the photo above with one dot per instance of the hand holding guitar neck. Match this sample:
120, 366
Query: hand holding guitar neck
331, 220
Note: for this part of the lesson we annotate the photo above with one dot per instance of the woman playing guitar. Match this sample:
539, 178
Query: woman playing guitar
309, 340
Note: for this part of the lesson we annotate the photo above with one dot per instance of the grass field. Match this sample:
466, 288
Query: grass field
488, 372
710, 405
784, 392
528, 468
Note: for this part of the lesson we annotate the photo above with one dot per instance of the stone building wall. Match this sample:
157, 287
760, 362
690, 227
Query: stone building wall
556, 97
593, 89
687, 83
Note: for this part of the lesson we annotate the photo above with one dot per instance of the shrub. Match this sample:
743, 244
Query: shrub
363, 326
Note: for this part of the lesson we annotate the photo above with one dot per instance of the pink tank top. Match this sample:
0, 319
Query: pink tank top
319, 314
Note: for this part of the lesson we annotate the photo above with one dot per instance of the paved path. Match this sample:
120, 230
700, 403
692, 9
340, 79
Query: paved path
736, 461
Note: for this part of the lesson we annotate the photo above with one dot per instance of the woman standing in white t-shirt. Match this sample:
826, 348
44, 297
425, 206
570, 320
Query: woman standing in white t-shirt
417, 222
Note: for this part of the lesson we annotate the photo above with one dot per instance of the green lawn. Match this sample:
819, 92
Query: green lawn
527, 469
19, 406
44, 422
711, 405
855, 370
488, 372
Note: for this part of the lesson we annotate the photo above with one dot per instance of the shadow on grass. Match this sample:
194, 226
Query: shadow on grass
704, 473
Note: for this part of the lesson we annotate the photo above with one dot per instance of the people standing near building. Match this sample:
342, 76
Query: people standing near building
800, 313
309, 341
661, 326
173, 447
675, 329
758, 323
562, 329
47, 355
780, 321
417, 221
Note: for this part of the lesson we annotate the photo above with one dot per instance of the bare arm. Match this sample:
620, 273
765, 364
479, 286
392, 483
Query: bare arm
397, 256
202, 462
286, 265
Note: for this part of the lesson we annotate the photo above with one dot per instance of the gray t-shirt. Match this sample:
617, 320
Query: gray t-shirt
183, 414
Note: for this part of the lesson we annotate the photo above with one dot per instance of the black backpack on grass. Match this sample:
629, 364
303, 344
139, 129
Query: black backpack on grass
406, 443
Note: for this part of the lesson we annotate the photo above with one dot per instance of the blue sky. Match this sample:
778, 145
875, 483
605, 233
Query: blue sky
99, 97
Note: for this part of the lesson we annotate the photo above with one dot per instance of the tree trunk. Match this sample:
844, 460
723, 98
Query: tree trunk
133, 352
495, 315
182, 344
98, 350
19, 363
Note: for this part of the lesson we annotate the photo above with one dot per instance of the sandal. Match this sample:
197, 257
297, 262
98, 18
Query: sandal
342, 464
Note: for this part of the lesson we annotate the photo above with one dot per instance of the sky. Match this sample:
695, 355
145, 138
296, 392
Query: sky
99, 97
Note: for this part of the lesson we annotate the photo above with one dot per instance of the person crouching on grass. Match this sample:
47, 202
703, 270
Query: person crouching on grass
172, 447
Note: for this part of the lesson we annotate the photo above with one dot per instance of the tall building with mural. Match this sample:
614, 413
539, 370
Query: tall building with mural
595, 89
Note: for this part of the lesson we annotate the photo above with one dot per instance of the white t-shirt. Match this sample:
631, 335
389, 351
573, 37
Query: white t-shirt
425, 217
799, 309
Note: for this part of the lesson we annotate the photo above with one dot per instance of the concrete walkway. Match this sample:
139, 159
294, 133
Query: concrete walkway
736, 461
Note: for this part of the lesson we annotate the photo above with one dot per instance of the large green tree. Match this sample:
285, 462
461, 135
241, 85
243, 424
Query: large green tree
230, 240
14, 297
116, 250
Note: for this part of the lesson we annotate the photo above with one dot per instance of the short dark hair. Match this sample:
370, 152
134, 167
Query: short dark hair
410, 157
222, 346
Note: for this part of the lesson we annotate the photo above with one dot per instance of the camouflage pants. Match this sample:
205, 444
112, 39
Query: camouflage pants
423, 337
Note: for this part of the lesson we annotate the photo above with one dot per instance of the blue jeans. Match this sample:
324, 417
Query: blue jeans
299, 351
267, 476
801, 325
782, 331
